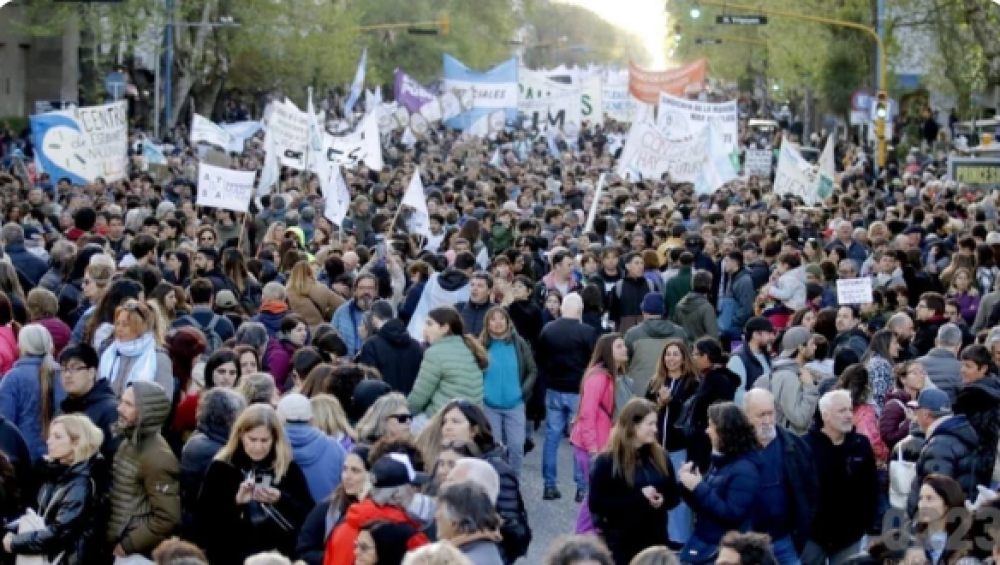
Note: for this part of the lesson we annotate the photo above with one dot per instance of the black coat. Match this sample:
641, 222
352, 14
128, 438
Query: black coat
925, 333
101, 406
949, 450
315, 532
15, 448
979, 402
671, 437
628, 302
628, 522
718, 385
232, 532
527, 318
510, 506
395, 354
801, 485
473, 316
196, 457
848, 489
563, 353
69, 503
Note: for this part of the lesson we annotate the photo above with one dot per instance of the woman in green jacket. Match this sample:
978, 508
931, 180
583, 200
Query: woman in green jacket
452, 368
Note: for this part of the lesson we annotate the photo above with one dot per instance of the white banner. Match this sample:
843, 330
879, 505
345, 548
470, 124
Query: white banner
616, 101
339, 200
758, 162
680, 117
591, 103
546, 102
224, 188
83, 144
205, 130
795, 176
648, 154
290, 128
362, 145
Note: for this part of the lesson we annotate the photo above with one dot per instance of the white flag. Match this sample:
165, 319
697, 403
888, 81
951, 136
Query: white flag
827, 169
338, 197
314, 134
718, 168
496, 161
358, 84
420, 218
203, 129
271, 172
592, 215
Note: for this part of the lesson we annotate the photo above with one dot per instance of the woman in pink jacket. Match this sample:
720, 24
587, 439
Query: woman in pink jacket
595, 414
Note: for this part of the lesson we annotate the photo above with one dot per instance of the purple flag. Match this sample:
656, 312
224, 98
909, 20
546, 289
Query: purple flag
409, 93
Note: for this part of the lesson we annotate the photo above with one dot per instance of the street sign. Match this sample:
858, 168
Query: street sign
115, 83
708, 41
744, 20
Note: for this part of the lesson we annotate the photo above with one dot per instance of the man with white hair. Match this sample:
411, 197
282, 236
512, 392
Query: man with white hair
564, 349
789, 485
476, 471
845, 241
848, 483
273, 307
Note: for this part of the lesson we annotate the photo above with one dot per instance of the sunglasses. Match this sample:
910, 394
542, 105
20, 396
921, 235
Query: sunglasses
133, 306
402, 418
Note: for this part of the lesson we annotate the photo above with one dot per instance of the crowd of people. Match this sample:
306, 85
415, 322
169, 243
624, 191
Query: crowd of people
189, 385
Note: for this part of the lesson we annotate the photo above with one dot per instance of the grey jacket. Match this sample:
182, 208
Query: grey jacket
482, 552
741, 290
944, 370
986, 305
794, 401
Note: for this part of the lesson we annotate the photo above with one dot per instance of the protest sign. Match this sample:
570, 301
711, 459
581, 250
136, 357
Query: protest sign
83, 144
363, 145
290, 128
758, 162
495, 89
680, 117
854, 291
549, 99
718, 168
204, 130
646, 86
649, 153
224, 188
616, 102
795, 176
338, 201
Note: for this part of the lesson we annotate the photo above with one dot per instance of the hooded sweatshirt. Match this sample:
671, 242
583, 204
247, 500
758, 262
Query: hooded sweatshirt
319, 456
645, 344
340, 547
697, 316
271, 314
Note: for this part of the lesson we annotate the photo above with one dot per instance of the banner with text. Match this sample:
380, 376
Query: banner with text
224, 188
409, 93
680, 117
493, 94
83, 144
758, 162
646, 86
648, 153
289, 127
363, 145
796, 176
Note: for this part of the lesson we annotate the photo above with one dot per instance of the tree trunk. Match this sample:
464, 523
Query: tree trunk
189, 61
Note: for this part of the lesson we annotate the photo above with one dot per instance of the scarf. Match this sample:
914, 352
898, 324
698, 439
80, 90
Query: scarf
143, 350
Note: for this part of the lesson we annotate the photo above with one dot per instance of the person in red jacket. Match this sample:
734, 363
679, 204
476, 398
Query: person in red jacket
393, 479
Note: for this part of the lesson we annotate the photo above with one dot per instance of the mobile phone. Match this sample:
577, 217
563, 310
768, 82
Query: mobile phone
264, 481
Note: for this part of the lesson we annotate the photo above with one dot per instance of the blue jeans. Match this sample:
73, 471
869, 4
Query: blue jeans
680, 520
560, 409
509, 428
785, 552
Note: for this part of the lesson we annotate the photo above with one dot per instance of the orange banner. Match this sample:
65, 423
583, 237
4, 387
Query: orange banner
646, 86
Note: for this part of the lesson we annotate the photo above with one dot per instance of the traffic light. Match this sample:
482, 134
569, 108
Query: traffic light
881, 115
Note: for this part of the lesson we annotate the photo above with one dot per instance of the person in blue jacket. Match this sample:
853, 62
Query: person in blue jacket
722, 500
320, 457
348, 317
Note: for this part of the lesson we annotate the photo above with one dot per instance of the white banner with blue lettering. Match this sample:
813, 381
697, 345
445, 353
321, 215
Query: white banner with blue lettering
493, 94
83, 144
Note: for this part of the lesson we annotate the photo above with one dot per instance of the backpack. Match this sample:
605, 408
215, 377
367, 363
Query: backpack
212, 339
618, 287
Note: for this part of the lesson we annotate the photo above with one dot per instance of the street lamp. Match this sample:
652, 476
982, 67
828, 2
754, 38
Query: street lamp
776, 87
695, 12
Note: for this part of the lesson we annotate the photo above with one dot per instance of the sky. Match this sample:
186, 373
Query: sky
647, 18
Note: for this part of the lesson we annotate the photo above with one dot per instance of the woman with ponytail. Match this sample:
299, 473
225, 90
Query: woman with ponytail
452, 367
31, 391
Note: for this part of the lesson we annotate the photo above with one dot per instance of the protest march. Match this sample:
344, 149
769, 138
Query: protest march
570, 314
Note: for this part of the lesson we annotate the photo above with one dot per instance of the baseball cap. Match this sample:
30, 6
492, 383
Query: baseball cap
225, 299
933, 399
295, 408
794, 338
395, 470
629, 210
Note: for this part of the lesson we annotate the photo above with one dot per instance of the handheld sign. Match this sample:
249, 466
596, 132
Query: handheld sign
854, 291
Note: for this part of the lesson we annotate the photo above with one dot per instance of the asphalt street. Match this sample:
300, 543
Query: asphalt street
549, 519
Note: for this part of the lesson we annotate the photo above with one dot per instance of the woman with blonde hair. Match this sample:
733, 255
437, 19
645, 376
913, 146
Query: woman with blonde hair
67, 501
389, 417
31, 391
135, 354
254, 497
309, 299
329, 418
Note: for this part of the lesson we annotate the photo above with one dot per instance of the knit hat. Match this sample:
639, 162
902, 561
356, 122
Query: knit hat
295, 408
653, 304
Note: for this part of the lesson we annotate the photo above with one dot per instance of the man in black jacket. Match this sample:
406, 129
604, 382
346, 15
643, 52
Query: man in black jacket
564, 349
930, 318
473, 312
789, 485
391, 349
949, 448
979, 400
88, 396
848, 484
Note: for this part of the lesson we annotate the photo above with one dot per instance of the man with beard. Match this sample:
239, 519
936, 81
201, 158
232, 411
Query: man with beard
348, 318
206, 265
849, 332
901, 325
848, 483
790, 486
794, 386
145, 493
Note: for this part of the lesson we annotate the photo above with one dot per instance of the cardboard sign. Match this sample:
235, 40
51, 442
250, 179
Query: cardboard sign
854, 291
225, 188
758, 162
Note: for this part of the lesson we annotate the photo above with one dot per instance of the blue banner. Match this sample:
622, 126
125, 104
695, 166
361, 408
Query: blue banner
491, 96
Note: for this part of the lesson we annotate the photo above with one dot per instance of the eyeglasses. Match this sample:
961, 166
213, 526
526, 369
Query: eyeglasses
401, 418
77, 369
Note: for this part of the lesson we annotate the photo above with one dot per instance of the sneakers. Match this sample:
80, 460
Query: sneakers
551, 493
580, 494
